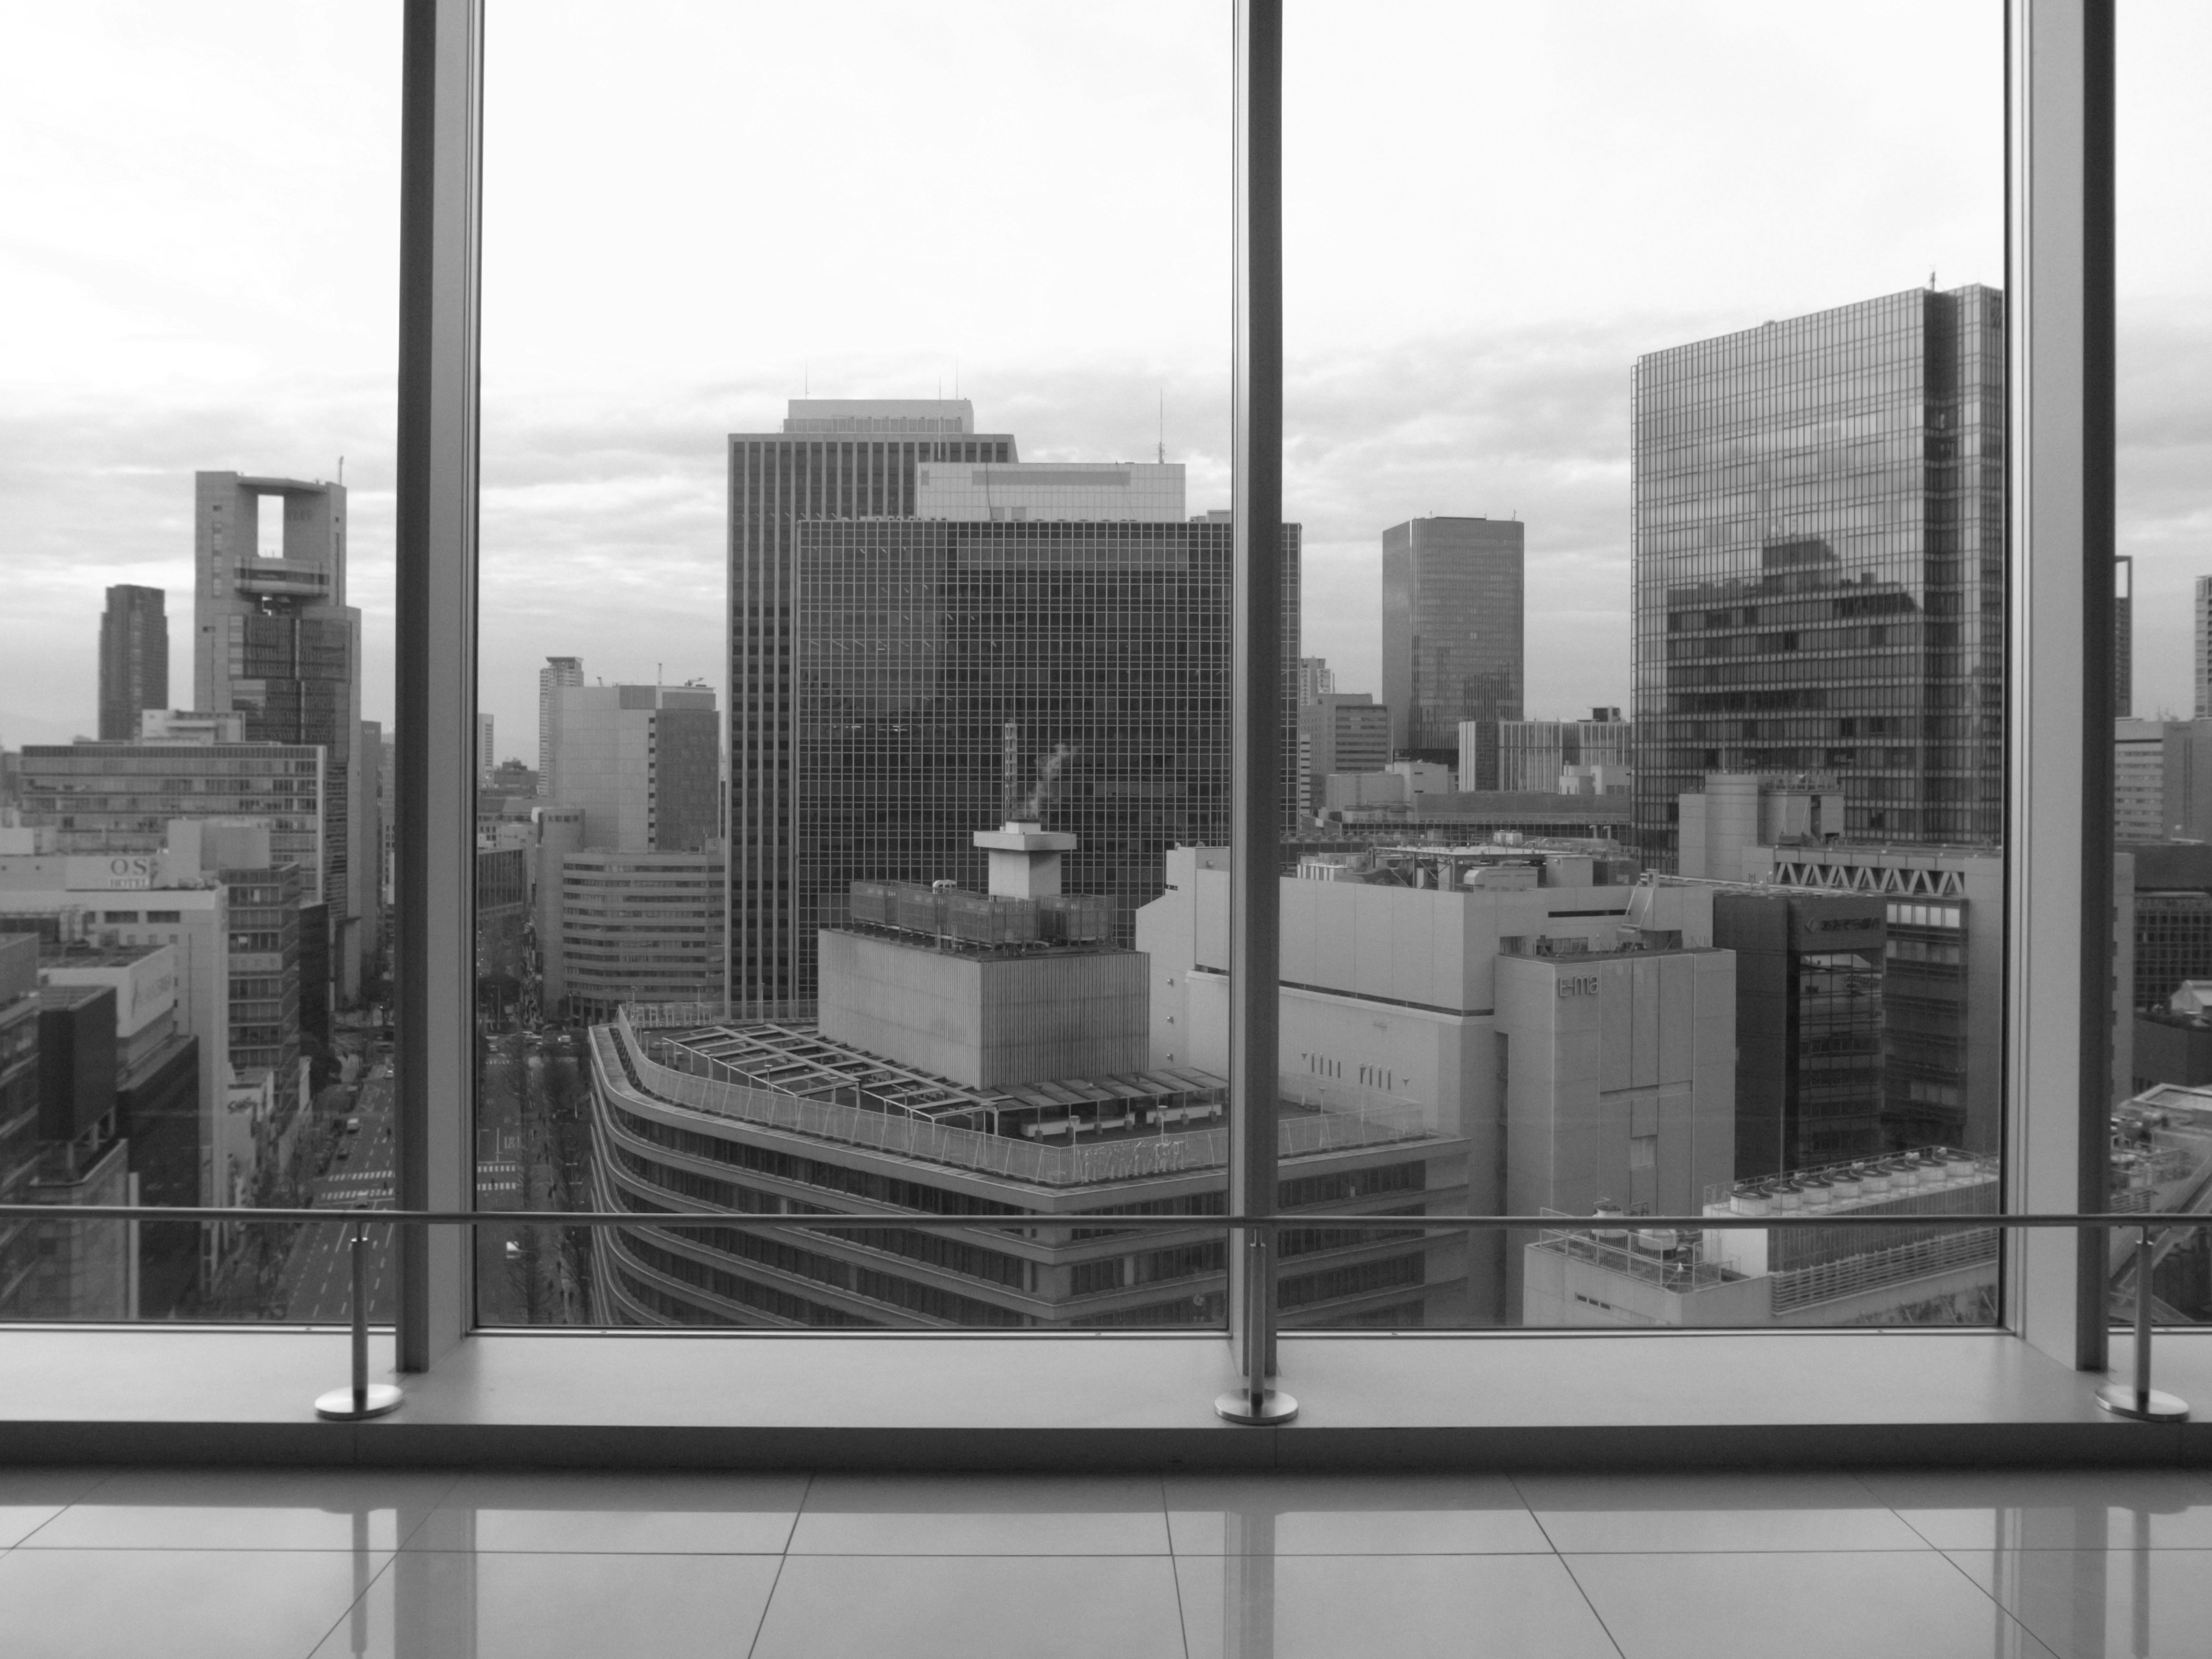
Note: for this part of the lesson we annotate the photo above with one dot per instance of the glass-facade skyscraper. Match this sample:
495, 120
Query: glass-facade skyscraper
134, 658
1819, 565
1451, 636
950, 674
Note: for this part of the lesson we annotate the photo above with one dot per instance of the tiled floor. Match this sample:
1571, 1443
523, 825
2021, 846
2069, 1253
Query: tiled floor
287, 1565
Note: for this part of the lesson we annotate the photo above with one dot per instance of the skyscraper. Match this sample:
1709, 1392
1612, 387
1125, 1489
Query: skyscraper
951, 674
558, 671
485, 759
274, 640
1316, 680
1819, 565
1451, 635
834, 460
2124, 636
134, 658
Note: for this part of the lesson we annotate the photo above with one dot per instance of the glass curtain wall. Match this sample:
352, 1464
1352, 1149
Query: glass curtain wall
196, 650
854, 662
2162, 740
1644, 410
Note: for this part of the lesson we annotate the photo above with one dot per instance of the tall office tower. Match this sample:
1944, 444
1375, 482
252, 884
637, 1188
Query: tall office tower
274, 640
1314, 680
641, 763
1819, 565
134, 658
557, 672
833, 459
1451, 636
2124, 636
953, 674
2202, 662
485, 759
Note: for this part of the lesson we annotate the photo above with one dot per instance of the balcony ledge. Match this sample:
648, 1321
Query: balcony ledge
1520, 1402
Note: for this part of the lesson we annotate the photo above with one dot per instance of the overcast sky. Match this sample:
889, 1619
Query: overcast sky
696, 208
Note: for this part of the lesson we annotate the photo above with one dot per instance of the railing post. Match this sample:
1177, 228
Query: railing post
363, 1398
2138, 1399
1255, 1402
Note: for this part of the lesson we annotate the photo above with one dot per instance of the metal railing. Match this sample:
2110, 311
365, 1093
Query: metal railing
2135, 1399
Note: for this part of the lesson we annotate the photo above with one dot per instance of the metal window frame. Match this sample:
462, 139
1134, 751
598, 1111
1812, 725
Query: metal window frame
2059, 513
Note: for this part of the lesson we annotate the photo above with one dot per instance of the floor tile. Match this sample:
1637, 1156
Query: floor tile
176, 1603
982, 1515
1853, 1604
655, 1514
1115, 1607
1650, 1513
2087, 1604
29, 1498
247, 1509
544, 1606
1407, 1607
1349, 1515
2051, 1509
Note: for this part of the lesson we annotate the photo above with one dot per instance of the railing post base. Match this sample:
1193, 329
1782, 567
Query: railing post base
2145, 1405
1274, 1406
345, 1406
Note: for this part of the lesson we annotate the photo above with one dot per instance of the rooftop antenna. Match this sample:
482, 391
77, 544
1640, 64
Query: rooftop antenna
340, 469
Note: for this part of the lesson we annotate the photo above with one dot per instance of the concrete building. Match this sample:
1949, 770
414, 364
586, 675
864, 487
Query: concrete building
1532, 754
557, 672
123, 797
786, 1115
1386, 813
642, 761
20, 1090
131, 903
1402, 968
275, 640
156, 1107
134, 658
634, 927
1452, 596
1819, 558
2124, 636
1316, 680
83, 1270
2139, 780
2201, 657
1736, 814
1341, 732
1645, 1277
486, 759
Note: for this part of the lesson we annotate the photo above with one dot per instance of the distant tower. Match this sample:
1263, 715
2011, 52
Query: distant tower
1451, 633
2202, 663
134, 660
1315, 681
558, 671
485, 758
274, 640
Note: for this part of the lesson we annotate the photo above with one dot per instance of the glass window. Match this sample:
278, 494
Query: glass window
196, 654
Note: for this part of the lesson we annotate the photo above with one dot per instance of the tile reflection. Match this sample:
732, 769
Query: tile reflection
2060, 1510
245, 1509
2102, 1604
1350, 1515
1258, 1603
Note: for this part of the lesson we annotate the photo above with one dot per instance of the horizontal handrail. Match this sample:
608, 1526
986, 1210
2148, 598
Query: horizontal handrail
1553, 1224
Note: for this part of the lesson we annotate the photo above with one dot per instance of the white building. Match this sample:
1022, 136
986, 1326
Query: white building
642, 760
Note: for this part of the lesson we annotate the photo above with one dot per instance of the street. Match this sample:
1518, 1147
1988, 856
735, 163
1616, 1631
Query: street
317, 1285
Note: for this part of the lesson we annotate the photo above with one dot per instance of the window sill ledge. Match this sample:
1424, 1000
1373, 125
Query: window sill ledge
1372, 1401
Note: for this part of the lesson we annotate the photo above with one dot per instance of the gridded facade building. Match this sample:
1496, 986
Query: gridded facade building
832, 461
1820, 564
134, 658
947, 671
643, 927
120, 797
1451, 635
265, 971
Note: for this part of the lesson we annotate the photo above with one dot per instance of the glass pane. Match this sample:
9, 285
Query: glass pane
2162, 749
196, 651
836, 735
1645, 409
